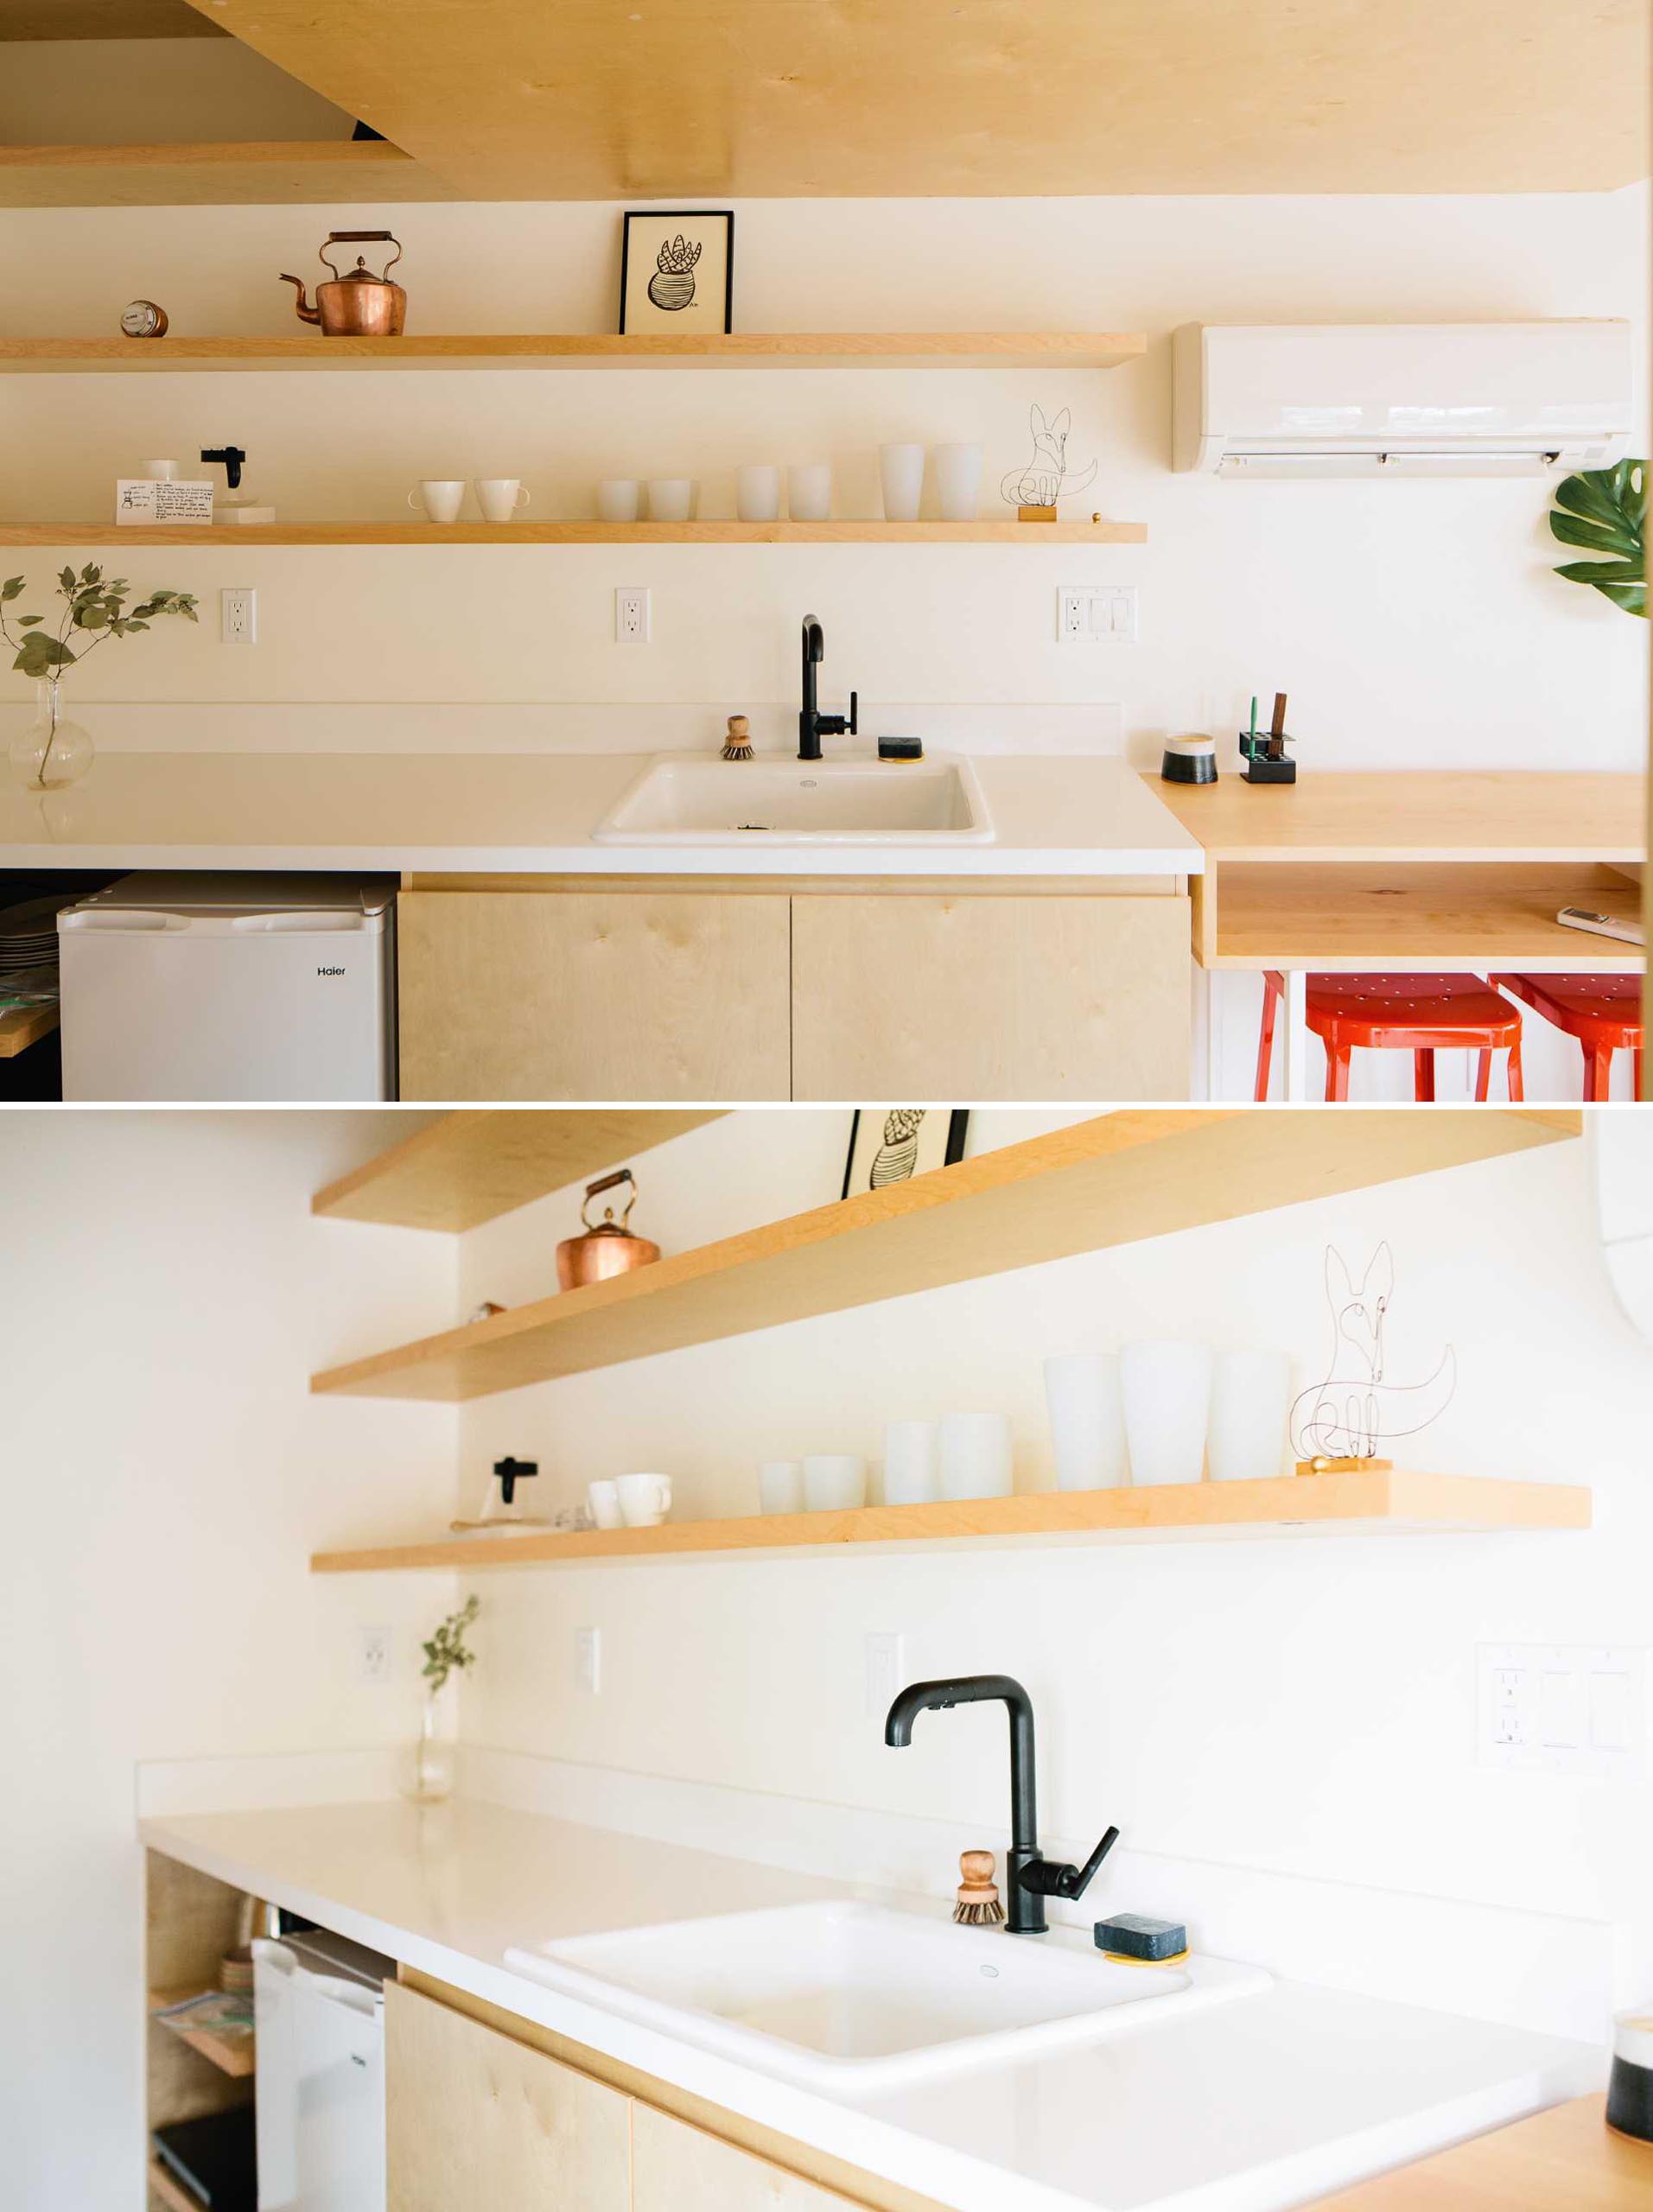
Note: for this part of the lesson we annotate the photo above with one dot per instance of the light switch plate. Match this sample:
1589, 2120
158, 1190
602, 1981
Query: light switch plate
373, 1652
1096, 614
630, 616
1562, 1708
886, 1671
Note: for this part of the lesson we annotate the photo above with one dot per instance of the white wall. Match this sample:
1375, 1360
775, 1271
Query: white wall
164, 1294
1414, 623
1295, 1709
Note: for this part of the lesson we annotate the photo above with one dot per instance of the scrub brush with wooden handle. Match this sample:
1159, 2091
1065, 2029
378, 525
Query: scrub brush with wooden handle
739, 744
978, 1903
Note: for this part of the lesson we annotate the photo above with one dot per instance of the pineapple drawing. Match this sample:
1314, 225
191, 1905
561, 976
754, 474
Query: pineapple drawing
672, 285
897, 1157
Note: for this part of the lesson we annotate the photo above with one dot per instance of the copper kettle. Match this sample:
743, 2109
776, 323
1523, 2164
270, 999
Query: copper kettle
357, 304
608, 1247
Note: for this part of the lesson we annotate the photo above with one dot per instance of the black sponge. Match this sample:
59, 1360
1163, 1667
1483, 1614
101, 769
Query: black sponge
1133, 1935
900, 748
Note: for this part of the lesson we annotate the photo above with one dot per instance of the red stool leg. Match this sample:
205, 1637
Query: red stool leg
1483, 1076
1598, 1072
1337, 1072
1423, 1075
1635, 1057
1518, 1091
1273, 987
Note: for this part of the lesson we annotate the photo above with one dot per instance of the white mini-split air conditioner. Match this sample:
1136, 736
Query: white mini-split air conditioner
1401, 399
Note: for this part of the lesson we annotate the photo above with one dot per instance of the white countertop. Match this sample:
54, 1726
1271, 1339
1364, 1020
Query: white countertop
533, 813
1261, 2103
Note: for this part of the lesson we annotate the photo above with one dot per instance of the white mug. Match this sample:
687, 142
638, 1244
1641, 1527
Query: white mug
671, 498
809, 492
976, 1461
757, 494
959, 481
500, 497
901, 472
440, 497
161, 471
1250, 1397
1087, 1418
909, 1462
603, 1499
834, 1482
1166, 1385
618, 499
645, 1500
780, 1486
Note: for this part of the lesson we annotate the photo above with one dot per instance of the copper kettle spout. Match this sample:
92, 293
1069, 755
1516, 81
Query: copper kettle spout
305, 312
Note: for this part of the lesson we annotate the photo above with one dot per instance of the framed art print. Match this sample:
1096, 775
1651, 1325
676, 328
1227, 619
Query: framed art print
676, 272
889, 1144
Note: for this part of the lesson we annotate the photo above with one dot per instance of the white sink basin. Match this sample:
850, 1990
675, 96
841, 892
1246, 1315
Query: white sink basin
846, 1996
687, 800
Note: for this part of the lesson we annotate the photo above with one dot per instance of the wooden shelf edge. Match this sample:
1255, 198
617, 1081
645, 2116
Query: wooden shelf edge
234, 2055
25, 1026
354, 152
1400, 1502
1126, 1133
718, 532
171, 2191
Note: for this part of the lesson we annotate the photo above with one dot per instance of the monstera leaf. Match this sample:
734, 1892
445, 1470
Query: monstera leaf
1603, 510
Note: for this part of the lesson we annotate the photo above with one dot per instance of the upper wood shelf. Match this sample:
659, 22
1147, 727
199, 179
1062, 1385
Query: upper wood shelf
1135, 1172
468, 1168
1375, 1503
745, 349
25, 1026
187, 176
850, 532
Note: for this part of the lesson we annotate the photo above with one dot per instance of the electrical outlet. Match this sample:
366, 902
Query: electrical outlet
886, 1671
587, 1660
630, 616
373, 1654
238, 616
1096, 614
1562, 1708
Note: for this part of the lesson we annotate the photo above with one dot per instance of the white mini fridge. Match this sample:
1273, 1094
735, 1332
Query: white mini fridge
204, 987
318, 2011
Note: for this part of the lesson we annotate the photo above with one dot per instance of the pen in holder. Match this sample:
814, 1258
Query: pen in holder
1264, 751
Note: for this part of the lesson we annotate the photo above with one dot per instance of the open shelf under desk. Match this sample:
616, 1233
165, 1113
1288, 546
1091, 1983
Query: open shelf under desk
1477, 916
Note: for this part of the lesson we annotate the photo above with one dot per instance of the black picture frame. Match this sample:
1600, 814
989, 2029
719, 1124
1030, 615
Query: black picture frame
724, 215
958, 1124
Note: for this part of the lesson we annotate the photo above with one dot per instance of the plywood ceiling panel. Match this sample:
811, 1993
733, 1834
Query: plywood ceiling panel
663, 98
55, 19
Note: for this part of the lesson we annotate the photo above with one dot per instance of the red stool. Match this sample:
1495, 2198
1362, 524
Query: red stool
1603, 1012
1420, 1014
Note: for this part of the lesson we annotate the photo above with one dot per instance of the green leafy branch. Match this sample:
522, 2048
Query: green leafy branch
1604, 510
446, 1650
94, 612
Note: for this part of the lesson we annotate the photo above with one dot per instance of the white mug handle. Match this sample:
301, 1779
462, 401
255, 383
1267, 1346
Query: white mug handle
662, 1494
522, 495
415, 499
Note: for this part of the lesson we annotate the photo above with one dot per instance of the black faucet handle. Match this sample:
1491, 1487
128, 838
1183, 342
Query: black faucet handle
1050, 1878
852, 727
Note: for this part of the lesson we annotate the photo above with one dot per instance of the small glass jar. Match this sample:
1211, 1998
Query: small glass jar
432, 1780
52, 752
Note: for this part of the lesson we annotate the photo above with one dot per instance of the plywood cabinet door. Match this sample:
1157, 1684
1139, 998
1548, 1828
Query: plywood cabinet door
990, 997
677, 2168
576, 994
473, 2118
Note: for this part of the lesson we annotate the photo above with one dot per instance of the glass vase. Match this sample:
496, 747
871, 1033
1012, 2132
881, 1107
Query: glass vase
52, 751
433, 1756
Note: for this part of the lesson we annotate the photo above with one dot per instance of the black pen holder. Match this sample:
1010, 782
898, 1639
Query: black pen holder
1261, 768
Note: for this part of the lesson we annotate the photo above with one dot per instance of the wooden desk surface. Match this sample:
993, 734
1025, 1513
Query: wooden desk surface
1567, 2159
1407, 814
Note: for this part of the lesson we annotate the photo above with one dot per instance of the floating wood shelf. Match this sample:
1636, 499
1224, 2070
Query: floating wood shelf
581, 533
468, 1168
186, 175
1312, 1505
25, 1026
232, 2055
1135, 1172
745, 349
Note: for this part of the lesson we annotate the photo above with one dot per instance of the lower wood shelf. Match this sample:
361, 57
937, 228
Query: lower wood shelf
235, 2056
170, 2190
1373, 1503
848, 532
25, 1026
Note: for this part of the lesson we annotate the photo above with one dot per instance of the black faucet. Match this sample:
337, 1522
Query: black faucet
1031, 1879
812, 725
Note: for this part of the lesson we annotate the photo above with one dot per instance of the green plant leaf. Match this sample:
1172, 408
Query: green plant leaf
12, 588
40, 653
1603, 511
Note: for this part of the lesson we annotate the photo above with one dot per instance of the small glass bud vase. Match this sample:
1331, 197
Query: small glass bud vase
432, 1779
52, 751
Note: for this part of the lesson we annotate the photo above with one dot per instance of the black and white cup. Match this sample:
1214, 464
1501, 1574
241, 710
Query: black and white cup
1630, 2088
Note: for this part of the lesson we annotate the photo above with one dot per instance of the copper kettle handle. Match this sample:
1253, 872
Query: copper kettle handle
362, 237
609, 1183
